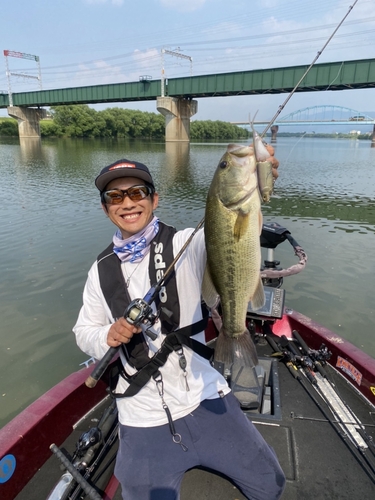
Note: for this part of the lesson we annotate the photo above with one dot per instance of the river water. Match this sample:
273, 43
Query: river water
52, 229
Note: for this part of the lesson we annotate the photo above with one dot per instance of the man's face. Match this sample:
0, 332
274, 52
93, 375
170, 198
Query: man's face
130, 216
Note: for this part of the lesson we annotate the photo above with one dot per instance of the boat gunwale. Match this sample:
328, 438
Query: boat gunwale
49, 419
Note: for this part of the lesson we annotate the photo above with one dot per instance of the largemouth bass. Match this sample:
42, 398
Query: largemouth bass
264, 167
233, 223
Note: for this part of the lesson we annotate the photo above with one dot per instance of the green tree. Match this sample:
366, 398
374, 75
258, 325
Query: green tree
49, 128
79, 121
208, 129
83, 121
9, 127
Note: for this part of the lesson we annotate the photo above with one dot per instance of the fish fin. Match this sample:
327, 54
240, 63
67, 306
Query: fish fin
209, 293
240, 350
258, 299
245, 351
241, 225
224, 350
246, 381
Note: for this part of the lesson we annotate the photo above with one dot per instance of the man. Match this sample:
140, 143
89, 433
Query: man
175, 410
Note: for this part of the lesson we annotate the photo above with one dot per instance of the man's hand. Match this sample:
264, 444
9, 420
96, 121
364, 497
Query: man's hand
273, 160
121, 332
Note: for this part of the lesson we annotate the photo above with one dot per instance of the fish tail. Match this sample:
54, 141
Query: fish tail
241, 348
244, 382
245, 351
224, 351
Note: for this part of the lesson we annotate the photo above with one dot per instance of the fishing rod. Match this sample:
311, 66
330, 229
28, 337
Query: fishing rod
316, 361
92, 449
292, 358
83, 483
139, 313
282, 106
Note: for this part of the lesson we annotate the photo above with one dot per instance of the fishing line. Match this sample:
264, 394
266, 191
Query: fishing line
282, 106
291, 151
338, 73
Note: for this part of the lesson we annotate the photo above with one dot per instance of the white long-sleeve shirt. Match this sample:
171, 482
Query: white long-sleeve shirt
95, 318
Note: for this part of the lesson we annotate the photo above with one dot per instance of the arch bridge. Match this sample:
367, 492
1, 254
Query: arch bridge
324, 114
319, 115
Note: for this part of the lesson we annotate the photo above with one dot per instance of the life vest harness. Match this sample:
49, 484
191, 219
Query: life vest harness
114, 289
173, 342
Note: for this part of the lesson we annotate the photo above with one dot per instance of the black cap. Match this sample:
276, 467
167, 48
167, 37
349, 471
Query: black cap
123, 168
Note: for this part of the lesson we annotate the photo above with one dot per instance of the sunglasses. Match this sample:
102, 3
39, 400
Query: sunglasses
117, 196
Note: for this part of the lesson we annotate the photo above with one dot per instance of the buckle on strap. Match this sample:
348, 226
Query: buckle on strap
173, 341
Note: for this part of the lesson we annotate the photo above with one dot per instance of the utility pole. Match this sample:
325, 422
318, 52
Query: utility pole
20, 55
175, 54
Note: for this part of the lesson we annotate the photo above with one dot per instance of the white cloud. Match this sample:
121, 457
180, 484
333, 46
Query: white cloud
143, 58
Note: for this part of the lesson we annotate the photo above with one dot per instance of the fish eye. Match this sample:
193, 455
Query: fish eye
223, 164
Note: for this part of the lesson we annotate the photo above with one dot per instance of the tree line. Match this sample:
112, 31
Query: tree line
83, 121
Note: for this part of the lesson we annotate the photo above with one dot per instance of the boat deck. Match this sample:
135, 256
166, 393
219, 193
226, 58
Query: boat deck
317, 462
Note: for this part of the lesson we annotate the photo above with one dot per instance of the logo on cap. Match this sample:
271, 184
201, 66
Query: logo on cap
123, 165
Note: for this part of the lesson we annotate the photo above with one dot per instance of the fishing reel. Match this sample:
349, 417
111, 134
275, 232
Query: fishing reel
140, 313
90, 438
322, 355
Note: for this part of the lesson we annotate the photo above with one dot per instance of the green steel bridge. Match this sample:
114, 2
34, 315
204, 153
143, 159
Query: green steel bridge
357, 74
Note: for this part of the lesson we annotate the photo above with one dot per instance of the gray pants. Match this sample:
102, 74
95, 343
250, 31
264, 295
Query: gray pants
150, 466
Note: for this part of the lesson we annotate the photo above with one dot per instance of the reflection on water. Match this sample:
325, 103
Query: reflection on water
52, 229
31, 147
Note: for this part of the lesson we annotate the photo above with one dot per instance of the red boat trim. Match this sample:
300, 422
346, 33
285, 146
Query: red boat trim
111, 488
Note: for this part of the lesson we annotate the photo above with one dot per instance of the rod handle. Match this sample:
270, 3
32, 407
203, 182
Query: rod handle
272, 343
101, 367
302, 343
84, 484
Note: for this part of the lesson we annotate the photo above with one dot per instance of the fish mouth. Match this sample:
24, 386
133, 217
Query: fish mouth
239, 150
238, 203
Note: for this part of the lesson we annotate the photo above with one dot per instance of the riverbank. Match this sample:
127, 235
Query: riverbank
83, 121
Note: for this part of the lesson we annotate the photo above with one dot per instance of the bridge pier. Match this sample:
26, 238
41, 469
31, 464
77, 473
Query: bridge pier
28, 120
274, 130
177, 114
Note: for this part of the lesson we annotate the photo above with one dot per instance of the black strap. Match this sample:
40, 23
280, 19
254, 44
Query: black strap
161, 256
117, 296
173, 341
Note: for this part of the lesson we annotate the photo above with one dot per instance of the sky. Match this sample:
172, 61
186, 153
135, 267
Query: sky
92, 42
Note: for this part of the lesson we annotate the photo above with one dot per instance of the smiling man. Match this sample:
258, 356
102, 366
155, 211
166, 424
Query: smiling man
181, 414
131, 210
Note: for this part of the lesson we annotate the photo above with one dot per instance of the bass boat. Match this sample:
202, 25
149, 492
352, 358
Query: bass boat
313, 401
